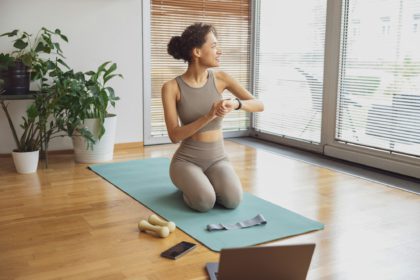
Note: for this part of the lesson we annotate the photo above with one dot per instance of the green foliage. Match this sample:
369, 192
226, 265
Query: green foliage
5, 61
29, 51
38, 126
403, 77
83, 96
67, 97
30, 140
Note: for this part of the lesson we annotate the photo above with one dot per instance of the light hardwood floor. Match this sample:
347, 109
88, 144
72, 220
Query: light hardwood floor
65, 222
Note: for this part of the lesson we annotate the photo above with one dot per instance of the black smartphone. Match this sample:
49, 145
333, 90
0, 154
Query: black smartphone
178, 250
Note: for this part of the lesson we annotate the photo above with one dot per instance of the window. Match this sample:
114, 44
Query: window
379, 84
169, 18
290, 68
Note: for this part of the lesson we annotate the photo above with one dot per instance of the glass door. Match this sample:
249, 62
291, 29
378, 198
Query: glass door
289, 74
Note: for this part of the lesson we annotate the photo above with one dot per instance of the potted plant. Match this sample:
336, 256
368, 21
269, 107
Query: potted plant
39, 127
41, 58
26, 154
82, 111
25, 62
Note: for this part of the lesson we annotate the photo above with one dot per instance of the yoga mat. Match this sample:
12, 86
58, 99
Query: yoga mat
148, 182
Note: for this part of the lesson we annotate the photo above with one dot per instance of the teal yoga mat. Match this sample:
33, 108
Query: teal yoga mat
148, 182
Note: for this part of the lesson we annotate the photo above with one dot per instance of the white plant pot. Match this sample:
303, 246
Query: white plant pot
103, 149
26, 162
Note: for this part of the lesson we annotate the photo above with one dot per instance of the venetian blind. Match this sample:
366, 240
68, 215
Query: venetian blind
379, 84
290, 67
232, 22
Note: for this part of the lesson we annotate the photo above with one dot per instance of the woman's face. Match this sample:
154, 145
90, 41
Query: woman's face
210, 51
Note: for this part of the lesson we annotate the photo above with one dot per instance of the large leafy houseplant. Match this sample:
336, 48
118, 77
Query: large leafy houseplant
84, 96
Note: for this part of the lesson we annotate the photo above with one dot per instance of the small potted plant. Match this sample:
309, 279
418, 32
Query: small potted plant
26, 154
24, 63
82, 111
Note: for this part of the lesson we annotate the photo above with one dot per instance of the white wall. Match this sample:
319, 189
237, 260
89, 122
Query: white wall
98, 31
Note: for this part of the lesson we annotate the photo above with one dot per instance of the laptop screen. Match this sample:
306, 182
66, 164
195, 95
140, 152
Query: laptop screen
267, 262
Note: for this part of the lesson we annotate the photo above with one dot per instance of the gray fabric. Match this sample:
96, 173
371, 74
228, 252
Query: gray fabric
256, 221
202, 154
196, 102
202, 171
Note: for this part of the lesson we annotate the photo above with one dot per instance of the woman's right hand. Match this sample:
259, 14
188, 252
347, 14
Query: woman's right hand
216, 110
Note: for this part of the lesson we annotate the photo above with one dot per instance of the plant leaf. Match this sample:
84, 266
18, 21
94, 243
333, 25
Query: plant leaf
111, 69
20, 44
63, 63
107, 78
27, 59
57, 47
10, 34
39, 47
64, 37
102, 66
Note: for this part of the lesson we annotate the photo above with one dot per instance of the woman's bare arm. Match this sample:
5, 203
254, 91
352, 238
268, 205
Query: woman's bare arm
249, 103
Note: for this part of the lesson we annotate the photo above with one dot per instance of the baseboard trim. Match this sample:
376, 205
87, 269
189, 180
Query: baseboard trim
129, 145
5, 155
119, 146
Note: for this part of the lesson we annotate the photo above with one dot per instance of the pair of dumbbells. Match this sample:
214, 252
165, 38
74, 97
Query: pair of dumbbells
158, 226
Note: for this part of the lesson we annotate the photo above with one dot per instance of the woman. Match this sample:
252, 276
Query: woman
200, 167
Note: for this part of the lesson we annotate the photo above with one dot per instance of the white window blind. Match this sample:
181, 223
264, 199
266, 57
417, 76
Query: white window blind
289, 68
232, 22
379, 81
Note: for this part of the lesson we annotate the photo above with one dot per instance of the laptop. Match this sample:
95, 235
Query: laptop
289, 262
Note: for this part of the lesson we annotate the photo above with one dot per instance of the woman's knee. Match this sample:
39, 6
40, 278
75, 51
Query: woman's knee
190, 179
201, 201
232, 198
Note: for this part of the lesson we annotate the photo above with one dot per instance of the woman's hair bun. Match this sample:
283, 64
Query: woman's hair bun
175, 47
194, 36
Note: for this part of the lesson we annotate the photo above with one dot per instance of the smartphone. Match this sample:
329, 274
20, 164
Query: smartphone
178, 250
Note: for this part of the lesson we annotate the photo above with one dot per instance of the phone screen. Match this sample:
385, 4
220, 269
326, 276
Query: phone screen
178, 250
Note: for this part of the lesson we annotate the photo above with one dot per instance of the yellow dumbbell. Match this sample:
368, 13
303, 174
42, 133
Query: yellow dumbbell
155, 220
161, 231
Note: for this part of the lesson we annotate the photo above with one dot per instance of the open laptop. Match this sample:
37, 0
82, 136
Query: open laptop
289, 262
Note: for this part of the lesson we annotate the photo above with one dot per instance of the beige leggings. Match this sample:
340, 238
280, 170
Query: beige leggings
202, 171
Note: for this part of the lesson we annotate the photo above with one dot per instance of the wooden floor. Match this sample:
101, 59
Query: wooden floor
65, 222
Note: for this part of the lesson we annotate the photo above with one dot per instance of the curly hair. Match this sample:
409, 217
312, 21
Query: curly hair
194, 36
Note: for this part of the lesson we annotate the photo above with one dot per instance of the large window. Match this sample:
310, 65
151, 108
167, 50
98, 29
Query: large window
342, 79
169, 18
290, 68
379, 84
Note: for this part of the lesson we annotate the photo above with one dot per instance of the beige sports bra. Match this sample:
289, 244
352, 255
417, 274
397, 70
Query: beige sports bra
196, 102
